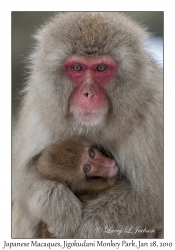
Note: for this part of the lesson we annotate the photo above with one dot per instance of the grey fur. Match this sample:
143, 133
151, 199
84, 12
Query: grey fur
133, 132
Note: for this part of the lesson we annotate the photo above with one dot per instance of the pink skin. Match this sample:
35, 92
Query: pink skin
100, 165
88, 98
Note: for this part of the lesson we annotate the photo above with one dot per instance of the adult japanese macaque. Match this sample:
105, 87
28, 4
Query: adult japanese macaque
80, 166
90, 76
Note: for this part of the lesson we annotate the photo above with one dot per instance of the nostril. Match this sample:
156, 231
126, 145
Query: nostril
86, 94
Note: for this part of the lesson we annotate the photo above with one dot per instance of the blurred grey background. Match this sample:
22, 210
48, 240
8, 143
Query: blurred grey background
25, 23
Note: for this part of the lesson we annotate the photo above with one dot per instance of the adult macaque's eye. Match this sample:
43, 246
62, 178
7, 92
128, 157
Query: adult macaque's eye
77, 68
101, 68
87, 167
91, 153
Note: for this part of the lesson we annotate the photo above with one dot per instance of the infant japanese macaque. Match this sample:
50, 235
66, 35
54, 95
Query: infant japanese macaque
82, 167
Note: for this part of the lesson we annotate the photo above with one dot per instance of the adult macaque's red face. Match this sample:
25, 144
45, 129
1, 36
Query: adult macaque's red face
89, 77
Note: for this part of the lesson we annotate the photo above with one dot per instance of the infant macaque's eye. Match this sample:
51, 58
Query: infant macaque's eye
87, 167
91, 153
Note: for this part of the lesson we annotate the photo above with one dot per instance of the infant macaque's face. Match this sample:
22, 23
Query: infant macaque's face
94, 164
